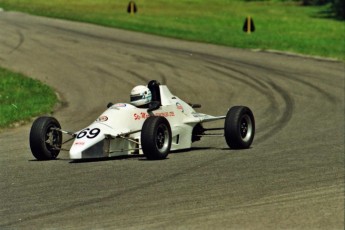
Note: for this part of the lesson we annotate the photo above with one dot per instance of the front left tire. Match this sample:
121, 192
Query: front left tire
239, 127
156, 138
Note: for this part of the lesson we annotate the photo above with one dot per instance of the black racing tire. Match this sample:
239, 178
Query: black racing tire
156, 138
239, 127
45, 140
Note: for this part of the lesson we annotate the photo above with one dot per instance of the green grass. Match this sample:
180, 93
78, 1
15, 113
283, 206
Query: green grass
284, 26
22, 98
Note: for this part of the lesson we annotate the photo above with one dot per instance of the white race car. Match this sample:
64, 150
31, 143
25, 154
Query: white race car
167, 124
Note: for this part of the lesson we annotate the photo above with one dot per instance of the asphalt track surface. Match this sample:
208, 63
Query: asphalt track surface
292, 177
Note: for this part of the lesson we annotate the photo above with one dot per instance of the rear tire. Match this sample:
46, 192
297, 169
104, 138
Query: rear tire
156, 138
239, 127
45, 140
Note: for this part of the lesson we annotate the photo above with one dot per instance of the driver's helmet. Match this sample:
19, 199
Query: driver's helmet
140, 95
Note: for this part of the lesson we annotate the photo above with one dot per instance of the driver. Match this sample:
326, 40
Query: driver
141, 96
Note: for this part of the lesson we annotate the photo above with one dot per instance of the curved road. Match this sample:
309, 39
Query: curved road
292, 177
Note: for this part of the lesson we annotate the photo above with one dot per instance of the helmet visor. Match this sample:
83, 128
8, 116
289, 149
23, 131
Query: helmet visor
136, 97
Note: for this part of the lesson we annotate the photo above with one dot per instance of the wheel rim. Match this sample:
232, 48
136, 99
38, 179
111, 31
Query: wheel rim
52, 139
246, 128
162, 138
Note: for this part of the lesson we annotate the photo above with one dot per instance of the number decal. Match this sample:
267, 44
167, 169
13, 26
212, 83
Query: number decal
93, 133
83, 133
89, 133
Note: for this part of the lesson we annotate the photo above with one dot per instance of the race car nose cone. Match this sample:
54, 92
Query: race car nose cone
75, 153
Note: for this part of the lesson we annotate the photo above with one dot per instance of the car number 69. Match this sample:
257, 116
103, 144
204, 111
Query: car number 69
89, 133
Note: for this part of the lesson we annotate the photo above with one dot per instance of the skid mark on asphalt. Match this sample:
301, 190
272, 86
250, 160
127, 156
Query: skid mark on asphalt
276, 119
16, 42
293, 76
20, 42
285, 114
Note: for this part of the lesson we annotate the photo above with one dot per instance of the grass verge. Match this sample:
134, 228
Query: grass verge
22, 98
284, 26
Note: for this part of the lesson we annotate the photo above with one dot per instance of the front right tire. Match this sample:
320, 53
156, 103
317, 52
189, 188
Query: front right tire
45, 139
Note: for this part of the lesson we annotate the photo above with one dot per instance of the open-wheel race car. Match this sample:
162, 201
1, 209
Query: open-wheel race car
153, 124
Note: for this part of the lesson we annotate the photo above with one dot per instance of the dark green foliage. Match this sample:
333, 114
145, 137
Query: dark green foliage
338, 7
315, 2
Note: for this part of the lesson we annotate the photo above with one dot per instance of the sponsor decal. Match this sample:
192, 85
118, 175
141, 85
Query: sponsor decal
179, 107
102, 119
140, 116
79, 143
165, 114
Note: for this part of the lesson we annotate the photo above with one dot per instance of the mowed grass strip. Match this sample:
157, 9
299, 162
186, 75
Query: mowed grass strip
284, 26
22, 98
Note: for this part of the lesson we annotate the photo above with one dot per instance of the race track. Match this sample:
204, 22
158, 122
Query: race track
292, 177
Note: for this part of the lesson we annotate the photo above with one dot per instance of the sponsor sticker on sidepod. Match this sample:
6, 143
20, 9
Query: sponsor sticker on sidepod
102, 119
179, 107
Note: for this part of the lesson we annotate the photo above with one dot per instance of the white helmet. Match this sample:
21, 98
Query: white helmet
140, 95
